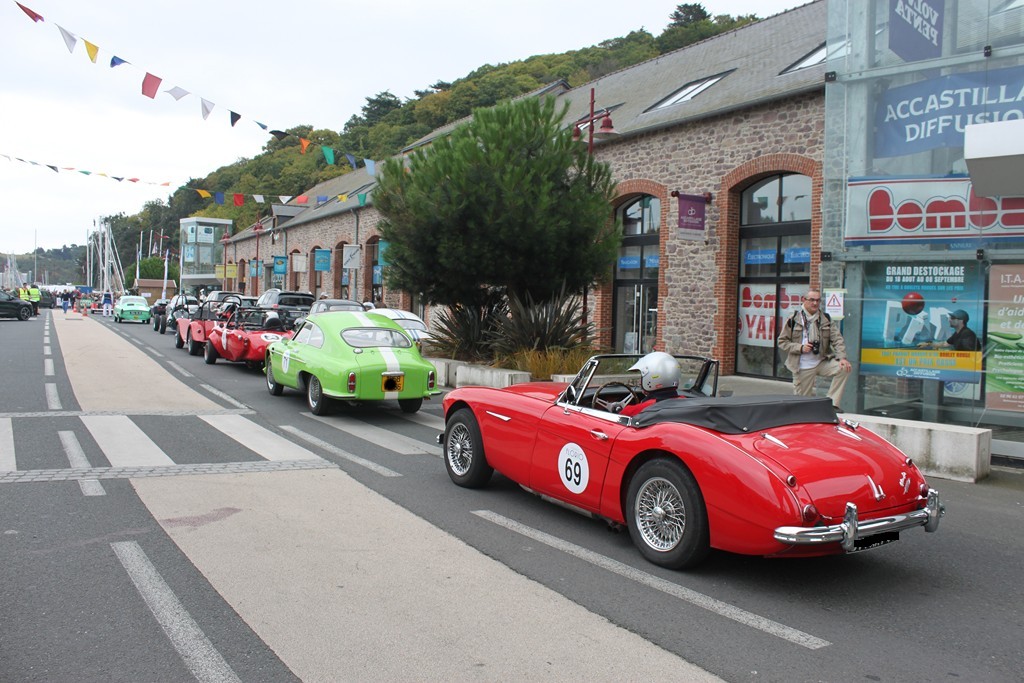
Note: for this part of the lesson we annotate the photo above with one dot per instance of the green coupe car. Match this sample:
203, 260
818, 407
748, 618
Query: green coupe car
350, 356
132, 308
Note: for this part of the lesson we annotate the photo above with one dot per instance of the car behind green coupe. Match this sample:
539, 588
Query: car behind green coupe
350, 356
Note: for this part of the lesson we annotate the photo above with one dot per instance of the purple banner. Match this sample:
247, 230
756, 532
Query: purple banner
691, 216
915, 29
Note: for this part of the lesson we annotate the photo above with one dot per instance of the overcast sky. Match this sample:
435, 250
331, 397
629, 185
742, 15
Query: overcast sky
280, 63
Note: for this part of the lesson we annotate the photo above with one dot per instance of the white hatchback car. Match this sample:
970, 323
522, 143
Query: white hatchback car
410, 322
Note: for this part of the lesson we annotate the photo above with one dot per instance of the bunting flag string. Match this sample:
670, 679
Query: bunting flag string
237, 198
151, 87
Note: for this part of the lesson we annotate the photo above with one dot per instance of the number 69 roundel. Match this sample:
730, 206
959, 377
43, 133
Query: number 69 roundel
573, 468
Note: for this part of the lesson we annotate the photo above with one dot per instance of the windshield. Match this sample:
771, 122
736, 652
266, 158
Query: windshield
369, 337
133, 300
698, 376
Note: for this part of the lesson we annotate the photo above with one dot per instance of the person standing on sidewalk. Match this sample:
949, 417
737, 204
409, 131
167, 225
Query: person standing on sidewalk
108, 303
814, 347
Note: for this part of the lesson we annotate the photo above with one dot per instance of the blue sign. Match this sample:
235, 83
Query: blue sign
915, 29
797, 255
376, 274
629, 262
652, 261
255, 268
759, 257
382, 252
322, 260
933, 114
280, 265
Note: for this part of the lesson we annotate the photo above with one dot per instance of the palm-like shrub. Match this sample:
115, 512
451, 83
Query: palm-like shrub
461, 331
531, 326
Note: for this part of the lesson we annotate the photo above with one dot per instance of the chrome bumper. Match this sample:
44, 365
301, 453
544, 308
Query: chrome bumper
851, 529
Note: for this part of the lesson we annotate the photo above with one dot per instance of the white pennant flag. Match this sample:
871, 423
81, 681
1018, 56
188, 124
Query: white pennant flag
177, 93
284, 199
258, 198
207, 108
69, 39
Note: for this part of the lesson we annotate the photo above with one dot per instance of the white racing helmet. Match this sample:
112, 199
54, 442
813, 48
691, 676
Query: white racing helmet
658, 370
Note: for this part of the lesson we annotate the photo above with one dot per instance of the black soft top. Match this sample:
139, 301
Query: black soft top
739, 414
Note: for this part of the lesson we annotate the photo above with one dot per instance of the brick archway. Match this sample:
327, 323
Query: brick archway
728, 231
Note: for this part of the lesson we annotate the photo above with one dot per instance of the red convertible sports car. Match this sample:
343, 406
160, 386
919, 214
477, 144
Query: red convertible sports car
244, 337
765, 475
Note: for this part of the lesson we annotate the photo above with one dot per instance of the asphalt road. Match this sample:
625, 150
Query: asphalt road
162, 519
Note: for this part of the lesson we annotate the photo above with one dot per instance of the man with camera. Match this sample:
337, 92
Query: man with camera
814, 347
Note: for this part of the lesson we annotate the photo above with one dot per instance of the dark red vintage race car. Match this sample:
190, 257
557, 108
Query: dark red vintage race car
768, 475
194, 330
244, 337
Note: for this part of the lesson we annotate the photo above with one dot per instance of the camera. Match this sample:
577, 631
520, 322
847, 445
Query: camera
815, 347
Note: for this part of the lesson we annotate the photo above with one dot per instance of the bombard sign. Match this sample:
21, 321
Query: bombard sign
944, 209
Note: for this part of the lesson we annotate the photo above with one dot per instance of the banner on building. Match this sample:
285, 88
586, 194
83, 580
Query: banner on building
691, 216
299, 263
933, 114
255, 268
891, 210
915, 28
280, 265
1004, 343
232, 271
906, 309
760, 308
322, 260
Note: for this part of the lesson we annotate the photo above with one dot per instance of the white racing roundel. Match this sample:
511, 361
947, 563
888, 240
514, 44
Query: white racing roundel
270, 337
286, 358
573, 468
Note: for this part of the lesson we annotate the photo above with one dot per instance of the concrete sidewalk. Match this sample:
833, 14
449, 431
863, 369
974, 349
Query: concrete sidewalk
339, 581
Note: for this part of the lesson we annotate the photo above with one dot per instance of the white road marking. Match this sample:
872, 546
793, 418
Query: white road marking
382, 437
8, 463
156, 353
47, 351
77, 460
220, 394
263, 441
425, 420
123, 442
331, 448
48, 367
201, 658
720, 608
180, 370
52, 397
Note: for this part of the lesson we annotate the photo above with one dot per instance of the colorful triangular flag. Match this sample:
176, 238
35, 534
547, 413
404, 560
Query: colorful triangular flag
34, 16
150, 84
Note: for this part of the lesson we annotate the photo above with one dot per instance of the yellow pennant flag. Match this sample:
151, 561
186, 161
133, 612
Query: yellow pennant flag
91, 49
342, 197
204, 194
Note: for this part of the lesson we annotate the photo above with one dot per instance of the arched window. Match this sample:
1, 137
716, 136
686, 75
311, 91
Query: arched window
774, 267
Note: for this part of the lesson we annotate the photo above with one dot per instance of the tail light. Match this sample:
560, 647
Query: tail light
351, 382
810, 514
430, 379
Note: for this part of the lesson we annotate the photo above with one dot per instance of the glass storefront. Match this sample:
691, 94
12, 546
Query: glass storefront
635, 312
919, 254
775, 268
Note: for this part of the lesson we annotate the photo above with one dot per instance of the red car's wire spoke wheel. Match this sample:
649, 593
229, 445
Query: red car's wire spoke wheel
666, 515
464, 451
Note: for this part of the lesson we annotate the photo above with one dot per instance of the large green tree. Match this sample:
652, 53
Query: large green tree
508, 201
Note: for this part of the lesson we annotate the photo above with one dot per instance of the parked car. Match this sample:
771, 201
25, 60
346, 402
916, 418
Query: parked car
290, 305
158, 313
351, 357
221, 295
325, 305
47, 299
244, 337
14, 307
133, 308
410, 322
770, 475
194, 330
180, 306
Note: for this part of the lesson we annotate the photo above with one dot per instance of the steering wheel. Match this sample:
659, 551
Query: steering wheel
602, 404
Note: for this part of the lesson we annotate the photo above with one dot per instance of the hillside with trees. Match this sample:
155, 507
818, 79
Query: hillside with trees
385, 125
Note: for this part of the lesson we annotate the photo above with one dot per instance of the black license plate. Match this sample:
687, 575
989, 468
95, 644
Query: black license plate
875, 541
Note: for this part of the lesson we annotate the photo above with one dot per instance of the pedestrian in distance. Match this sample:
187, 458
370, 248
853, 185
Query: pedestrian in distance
108, 303
814, 347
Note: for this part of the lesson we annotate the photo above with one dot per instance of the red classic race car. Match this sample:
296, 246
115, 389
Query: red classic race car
244, 337
194, 330
767, 475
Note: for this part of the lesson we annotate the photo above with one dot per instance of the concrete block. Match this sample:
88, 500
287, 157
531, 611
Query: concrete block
477, 375
939, 450
446, 368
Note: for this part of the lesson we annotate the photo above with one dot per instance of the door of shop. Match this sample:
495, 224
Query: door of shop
635, 312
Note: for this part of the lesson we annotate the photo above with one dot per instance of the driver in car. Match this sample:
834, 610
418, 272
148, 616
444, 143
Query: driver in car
659, 378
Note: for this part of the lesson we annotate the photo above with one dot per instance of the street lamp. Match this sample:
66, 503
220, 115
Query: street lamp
224, 242
607, 131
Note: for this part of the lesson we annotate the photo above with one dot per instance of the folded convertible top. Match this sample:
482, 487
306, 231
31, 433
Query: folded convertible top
739, 414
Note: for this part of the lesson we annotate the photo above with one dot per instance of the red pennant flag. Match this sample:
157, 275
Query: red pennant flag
34, 16
150, 85
301, 199
239, 199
